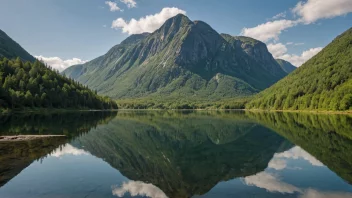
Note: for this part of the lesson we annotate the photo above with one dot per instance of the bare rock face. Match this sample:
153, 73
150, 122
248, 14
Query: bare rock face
182, 57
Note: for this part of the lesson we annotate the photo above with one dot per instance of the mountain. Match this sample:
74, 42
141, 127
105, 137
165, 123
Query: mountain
26, 84
183, 58
324, 82
286, 66
10, 49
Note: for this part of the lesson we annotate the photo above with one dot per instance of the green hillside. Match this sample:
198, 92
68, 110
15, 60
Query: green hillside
11, 50
324, 82
26, 84
182, 59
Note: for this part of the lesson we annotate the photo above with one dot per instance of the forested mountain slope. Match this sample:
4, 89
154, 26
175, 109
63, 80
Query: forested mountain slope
324, 82
26, 84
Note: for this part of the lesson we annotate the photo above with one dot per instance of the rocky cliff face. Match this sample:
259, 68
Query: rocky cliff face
182, 57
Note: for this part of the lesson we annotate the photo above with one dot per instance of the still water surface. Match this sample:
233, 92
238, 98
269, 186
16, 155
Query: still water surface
178, 154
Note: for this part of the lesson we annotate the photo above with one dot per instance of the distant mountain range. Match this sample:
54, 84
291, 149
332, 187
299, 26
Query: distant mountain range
324, 82
286, 66
183, 58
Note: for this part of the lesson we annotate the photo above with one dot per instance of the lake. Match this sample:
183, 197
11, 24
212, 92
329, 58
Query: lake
177, 154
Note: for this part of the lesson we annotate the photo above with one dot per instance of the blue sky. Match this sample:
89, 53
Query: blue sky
61, 30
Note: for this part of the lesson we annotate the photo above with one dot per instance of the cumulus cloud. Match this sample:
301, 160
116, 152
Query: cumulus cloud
277, 164
129, 3
148, 23
277, 49
313, 10
68, 149
298, 153
138, 188
270, 182
58, 63
279, 161
298, 60
311, 193
269, 30
113, 6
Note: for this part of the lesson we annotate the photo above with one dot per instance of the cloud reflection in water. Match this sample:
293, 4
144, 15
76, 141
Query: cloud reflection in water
138, 188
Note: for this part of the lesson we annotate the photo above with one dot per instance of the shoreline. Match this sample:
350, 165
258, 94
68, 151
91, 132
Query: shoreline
252, 110
18, 138
49, 110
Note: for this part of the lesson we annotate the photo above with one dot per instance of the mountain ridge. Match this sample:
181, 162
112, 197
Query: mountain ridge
11, 49
286, 66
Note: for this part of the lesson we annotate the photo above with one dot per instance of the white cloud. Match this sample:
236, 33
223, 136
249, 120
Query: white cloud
277, 164
311, 193
298, 153
299, 60
113, 6
270, 182
313, 10
129, 3
279, 161
138, 188
279, 16
68, 149
277, 50
58, 63
269, 30
148, 23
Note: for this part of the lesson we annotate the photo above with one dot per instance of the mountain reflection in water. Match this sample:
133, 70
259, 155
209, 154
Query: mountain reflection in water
185, 154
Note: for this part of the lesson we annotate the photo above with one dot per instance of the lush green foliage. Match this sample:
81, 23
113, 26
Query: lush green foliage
324, 82
182, 59
26, 84
181, 103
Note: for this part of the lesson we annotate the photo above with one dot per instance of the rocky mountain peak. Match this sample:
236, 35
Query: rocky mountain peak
134, 38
